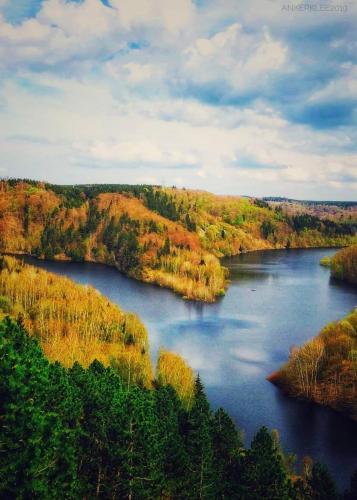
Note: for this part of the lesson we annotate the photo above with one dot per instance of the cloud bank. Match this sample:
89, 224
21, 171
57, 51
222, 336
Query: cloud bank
233, 97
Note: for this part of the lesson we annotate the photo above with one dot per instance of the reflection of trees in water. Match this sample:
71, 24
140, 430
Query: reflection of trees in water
248, 273
331, 437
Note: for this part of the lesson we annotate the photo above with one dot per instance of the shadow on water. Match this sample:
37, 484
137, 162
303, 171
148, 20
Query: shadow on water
275, 299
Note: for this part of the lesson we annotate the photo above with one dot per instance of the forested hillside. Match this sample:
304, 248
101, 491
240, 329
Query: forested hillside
77, 324
74, 322
84, 433
344, 265
324, 369
172, 237
83, 415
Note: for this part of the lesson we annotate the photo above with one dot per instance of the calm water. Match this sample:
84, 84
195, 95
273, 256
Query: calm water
276, 299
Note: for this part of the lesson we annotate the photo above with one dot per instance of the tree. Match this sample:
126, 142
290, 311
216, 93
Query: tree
226, 446
267, 228
174, 371
38, 457
165, 250
174, 457
127, 252
263, 472
199, 445
351, 494
321, 483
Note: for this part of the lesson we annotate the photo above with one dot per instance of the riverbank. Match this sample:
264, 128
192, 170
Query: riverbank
235, 342
324, 369
170, 237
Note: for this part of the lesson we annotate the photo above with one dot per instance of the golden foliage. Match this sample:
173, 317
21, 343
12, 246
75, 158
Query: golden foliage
207, 227
75, 322
195, 276
173, 370
325, 368
344, 264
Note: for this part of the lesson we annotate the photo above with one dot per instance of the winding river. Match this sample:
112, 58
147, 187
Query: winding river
275, 299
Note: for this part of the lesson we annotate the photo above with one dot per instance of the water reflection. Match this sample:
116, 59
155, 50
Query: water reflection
236, 342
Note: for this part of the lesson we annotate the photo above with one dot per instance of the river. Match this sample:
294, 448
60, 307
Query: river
276, 299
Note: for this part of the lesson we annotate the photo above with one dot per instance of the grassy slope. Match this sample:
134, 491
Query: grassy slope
176, 236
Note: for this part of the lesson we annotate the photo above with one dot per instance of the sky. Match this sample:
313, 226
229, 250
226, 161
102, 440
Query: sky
250, 97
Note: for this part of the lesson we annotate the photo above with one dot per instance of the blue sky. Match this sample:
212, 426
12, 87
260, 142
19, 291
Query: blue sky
243, 97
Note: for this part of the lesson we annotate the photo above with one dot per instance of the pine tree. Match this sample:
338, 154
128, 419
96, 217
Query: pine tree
321, 483
263, 473
351, 494
138, 450
34, 443
127, 253
173, 454
110, 235
165, 250
226, 445
199, 445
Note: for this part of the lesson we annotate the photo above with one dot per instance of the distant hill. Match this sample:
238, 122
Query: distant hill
343, 204
168, 236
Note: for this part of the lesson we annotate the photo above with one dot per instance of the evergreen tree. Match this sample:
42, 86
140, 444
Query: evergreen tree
127, 253
321, 483
263, 473
86, 433
37, 454
165, 250
351, 494
174, 464
199, 445
96, 399
138, 452
110, 235
226, 445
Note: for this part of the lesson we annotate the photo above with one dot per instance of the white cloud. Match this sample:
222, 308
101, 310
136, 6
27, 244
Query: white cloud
235, 57
86, 134
344, 87
65, 30
137, 153
61, 31
114, 108
88, 19
168, 14
134, 73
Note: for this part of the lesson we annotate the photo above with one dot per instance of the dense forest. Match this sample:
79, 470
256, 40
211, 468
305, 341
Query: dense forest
73, 322
76, 324
85, 433
168, 236
344, 265
324, 369
83, 414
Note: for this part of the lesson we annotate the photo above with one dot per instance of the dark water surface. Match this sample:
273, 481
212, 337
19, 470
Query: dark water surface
275, 299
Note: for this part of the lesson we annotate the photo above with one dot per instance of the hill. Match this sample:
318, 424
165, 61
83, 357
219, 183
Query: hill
74, 323
168, 236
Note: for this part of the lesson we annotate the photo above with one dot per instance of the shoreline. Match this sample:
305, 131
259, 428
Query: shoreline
154, 283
